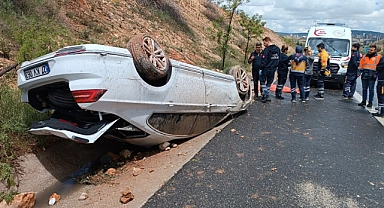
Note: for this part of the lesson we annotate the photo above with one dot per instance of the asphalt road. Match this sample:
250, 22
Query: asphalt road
326, 153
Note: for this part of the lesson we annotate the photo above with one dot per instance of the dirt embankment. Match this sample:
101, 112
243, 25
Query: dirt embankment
184, 27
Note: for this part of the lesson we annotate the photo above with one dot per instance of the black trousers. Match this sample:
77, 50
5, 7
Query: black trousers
256, 78
281, 80
380, 95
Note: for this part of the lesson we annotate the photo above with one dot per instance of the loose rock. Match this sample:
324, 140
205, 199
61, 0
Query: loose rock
164, 145
173, 145
126, 196
53, 199
136, 171
111, 171
180, 153
24, 200
83, 196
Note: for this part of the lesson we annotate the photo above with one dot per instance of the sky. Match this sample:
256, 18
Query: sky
295, 16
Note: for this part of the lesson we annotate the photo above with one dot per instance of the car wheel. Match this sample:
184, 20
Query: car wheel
62, 98
149, 58
241, 78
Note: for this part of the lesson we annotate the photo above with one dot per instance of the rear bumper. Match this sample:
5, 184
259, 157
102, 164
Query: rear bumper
69, 131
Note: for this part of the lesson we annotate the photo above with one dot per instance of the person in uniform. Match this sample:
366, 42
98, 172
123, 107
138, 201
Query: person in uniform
296, 75
269, 63
282, 72
367, 67
380, 88
255, 59
321, 71
352, 72
308, 72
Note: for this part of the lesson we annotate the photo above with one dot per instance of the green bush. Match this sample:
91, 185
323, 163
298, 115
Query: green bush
35, 32
15, 119
6, 174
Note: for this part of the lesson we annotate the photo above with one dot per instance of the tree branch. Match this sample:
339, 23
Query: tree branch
7, 69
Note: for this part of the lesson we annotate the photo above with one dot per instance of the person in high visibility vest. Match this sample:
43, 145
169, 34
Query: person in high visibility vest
296, 75
368, 64
380, 88
321, 71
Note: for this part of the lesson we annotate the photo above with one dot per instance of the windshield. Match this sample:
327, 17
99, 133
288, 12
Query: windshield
334, 47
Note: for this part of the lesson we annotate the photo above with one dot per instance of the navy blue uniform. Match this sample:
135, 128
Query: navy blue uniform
352, 73
256, 63
380, 88
269, 63
282, 73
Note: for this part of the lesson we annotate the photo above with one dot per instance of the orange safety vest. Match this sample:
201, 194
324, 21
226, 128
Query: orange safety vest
323, 59
369, 63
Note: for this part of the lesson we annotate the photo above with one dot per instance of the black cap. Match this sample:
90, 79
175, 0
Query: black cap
320, 45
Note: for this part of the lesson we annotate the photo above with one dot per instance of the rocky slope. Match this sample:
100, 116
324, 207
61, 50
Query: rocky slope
184, 27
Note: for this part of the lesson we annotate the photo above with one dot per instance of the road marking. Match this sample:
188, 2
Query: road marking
359, 98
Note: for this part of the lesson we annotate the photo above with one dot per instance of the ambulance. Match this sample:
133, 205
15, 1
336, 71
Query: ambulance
337, 39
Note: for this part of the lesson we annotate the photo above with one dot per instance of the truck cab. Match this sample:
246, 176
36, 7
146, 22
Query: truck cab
337, 39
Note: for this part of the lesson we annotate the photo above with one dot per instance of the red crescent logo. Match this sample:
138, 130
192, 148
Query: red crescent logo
319, 32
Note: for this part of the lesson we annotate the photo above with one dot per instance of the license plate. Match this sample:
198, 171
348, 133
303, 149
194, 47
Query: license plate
36, 72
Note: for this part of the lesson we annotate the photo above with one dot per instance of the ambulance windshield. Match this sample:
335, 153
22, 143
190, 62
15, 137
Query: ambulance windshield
334, 47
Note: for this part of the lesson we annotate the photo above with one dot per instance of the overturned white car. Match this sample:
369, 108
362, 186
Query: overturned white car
138, 95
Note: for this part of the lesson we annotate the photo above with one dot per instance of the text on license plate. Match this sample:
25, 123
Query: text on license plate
36, 72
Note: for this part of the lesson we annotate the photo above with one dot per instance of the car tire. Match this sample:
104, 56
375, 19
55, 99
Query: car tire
149, 58
241, 79
62, 98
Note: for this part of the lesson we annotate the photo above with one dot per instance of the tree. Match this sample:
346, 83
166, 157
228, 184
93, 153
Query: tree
252, 27
230, 7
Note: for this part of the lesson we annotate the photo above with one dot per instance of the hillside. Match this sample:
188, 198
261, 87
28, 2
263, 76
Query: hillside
185, 28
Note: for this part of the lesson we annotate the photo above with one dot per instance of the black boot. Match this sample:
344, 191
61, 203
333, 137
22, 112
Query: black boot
264, 99
378, 114
363, 103
319, 96
278, 96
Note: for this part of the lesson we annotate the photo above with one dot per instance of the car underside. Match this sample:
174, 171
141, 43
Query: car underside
139, 97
